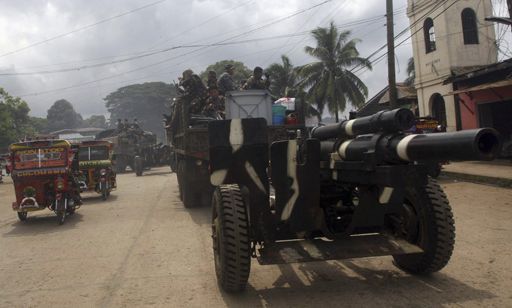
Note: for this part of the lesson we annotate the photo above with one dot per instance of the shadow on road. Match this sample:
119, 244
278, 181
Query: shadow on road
201, 215
334, 283
36, 224
93, 198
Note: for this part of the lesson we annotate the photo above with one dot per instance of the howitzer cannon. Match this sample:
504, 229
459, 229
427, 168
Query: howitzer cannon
355, 189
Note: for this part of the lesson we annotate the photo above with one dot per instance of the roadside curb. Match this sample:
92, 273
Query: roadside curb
479, 179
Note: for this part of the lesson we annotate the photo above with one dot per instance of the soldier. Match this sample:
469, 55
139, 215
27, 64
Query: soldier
256, 82
212, 80
195, 91
226, 82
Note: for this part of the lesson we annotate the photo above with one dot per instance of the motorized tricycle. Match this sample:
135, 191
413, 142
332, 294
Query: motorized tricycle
44, 176
96, 167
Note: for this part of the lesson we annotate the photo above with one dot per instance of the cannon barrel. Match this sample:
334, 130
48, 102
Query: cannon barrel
477, 144
385, 121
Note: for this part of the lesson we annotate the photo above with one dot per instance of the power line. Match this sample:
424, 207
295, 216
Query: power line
178, 56
82, 28
356, 69
406, 39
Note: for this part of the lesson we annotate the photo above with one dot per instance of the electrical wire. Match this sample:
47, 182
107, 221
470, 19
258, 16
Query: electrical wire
81, 28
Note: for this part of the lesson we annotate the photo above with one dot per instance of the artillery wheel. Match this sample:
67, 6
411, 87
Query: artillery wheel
230, 234
104, 193
427, 221
22, 216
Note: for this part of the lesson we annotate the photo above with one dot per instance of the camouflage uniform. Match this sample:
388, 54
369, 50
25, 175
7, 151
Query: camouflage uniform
226, 83
256, 84
195, 93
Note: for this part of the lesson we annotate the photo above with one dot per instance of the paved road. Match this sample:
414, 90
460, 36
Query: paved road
142, 247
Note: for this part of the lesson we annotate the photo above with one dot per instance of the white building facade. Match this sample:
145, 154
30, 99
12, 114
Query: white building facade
448, 36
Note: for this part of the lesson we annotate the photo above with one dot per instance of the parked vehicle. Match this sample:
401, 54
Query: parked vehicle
96, 173
44, 176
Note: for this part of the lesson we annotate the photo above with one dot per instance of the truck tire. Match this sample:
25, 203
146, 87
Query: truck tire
428, 219
230, 234
189, 193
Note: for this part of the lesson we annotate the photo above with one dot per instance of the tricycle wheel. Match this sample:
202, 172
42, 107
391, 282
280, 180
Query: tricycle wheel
104, 193
61, 217
22, 216
230, 234
426, 221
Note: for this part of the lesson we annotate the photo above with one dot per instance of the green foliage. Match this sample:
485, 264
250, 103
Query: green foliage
283, 77
146, 102
62, 115
40, 125
97, 121
242, 72
329, 80
14, 119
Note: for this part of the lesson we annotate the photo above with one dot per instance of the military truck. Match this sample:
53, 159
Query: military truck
133, 147
188, 138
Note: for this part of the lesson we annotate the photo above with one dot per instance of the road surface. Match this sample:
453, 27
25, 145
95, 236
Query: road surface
142, 248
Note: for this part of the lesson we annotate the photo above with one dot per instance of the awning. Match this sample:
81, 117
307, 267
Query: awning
486, 86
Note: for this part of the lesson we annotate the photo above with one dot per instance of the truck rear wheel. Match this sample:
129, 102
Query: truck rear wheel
188, 191
427, 221
230, 234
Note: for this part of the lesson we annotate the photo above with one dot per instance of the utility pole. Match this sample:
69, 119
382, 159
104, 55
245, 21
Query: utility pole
509, 4
391, 55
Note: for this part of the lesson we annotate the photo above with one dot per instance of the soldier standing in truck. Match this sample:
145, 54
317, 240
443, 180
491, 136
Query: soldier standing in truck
226, 82
256, 81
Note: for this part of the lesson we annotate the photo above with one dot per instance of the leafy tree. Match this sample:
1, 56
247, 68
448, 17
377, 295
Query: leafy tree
242, 72
98, 121
329, 81
62, 115
40, 125
14, 119
146, 102
283, 77
411, 73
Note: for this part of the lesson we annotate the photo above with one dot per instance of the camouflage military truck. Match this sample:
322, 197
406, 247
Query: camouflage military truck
188, 133
133, 147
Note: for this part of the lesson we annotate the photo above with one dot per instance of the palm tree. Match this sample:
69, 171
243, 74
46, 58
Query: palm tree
411, 72
329, 81
283, 77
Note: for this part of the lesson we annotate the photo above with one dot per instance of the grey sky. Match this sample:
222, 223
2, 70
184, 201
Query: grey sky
170, 23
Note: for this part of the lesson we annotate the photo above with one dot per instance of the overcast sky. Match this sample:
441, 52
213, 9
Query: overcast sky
163, 25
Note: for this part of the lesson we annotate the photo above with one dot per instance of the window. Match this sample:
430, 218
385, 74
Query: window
430, 35
469, 27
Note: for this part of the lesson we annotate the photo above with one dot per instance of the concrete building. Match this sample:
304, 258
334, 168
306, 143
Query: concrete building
448, 38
